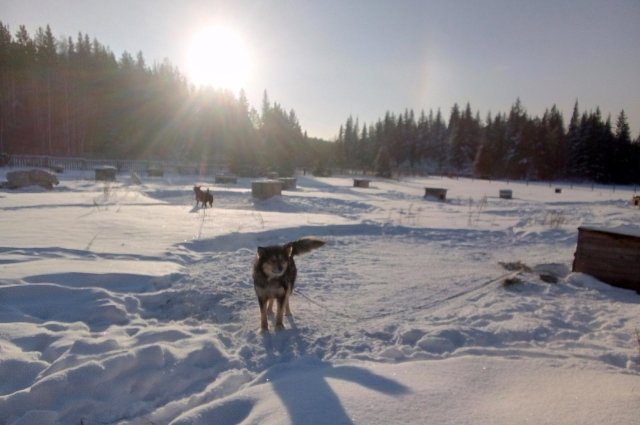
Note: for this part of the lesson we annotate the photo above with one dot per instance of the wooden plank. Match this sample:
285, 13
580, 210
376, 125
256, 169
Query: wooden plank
630, 233
591, 262
614, 254
608, 248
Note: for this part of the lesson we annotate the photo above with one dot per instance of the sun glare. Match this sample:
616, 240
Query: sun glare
218, 57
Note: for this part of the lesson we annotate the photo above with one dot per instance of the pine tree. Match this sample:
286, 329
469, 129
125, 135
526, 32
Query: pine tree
423, 136
490, 160
596, 138
574, 146
349, 142
517, 138
621, 158
483, 163
281, 136
364, 158
439, 134
382, 163
635, 161
6, 84
455, 135
623, 132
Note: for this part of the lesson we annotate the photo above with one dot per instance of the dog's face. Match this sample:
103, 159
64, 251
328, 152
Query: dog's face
274, 260
196, 189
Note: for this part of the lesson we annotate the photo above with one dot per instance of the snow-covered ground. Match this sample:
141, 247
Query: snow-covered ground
125, 304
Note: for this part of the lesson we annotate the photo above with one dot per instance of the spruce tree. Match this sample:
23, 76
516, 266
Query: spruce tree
439, 134
455, 135
621, 162
518, 137
483, 163
382, 163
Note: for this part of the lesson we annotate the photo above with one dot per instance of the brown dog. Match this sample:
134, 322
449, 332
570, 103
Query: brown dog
203, 197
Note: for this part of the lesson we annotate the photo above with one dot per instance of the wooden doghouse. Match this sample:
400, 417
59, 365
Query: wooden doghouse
610, 255
225, 179
155, 172
105, 173
56, 168
435, 193
505, 193
288, 183
36, 177
186, 170
265, 189
135, 178
361, 183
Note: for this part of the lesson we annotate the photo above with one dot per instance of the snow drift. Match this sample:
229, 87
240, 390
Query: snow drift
125, 304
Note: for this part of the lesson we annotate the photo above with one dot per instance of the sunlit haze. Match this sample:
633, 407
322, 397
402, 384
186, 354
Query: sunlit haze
218, 57
331, 59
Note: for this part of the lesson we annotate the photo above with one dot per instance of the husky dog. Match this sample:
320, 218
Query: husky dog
274, 275
202, 196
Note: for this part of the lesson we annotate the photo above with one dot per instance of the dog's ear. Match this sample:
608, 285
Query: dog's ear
289, 249
261, 251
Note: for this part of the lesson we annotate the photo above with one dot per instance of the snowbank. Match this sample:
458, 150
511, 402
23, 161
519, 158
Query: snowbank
124, 304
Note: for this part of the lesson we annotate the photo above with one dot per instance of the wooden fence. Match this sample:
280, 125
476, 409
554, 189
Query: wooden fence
122, 165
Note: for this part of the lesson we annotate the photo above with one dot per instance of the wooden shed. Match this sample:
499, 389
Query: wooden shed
361, 183
56, 168
265, 189
155, 172
610, 255
288, 183
505, 193
226, 179
435, 193
105, 173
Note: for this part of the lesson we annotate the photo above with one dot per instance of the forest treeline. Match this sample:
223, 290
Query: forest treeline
513, 145
73, 97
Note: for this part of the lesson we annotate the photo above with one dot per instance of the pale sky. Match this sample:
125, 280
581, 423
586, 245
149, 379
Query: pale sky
329, 59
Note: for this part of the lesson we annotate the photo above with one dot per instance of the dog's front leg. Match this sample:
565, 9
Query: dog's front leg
287, 310
279, 314
264, 325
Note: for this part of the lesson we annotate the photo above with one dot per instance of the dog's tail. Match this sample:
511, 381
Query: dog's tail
304, 245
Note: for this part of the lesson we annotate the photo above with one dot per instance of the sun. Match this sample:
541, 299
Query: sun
218, 57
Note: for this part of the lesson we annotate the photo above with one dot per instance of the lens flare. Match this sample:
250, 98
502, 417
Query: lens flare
218, 57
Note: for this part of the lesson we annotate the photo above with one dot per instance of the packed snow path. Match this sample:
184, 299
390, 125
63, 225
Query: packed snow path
126, 304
